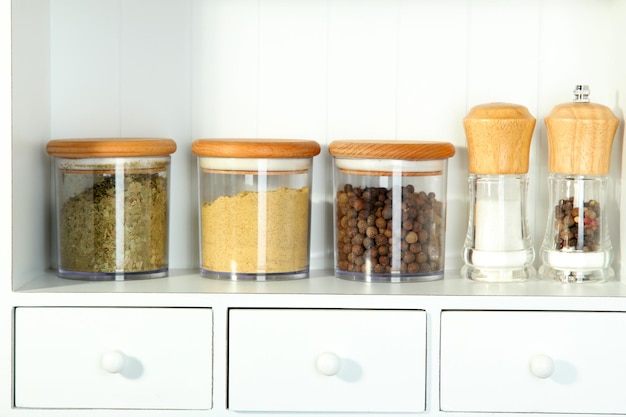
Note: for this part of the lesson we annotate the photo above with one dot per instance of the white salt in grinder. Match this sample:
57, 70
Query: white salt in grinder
498, 246
576, 247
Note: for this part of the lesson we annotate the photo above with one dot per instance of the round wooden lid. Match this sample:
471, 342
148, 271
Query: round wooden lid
498, 138
580, 138
110, 147
391, 149
255, 148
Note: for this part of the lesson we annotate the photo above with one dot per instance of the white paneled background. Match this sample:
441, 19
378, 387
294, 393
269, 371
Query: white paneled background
312, 69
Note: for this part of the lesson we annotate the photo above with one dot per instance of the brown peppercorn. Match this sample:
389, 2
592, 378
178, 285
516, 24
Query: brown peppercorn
387, 212
358, 204
372, 253
408, 257
413, 268
380, 240
357, 239
371, 231
411, 237
357, 249
415, 247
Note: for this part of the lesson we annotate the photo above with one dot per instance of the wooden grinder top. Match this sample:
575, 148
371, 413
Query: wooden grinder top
498, 138
580, 137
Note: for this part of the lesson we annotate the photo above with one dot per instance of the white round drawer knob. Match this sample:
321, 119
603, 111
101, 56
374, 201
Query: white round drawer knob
541, 366
113, 361
328, 364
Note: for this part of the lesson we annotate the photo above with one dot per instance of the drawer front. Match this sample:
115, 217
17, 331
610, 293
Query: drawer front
327, 360
560, 362
159, 358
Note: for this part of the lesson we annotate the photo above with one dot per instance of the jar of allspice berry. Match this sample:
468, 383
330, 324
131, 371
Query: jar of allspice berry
112, 207
255, 207
390, 209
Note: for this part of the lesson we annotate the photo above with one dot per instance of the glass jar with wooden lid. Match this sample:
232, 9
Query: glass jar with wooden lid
390, 209
255, 207
112, 207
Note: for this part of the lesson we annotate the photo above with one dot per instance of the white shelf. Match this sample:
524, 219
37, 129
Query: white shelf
323, 283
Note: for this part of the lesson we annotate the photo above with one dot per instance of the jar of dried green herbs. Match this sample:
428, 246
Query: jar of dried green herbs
112, 207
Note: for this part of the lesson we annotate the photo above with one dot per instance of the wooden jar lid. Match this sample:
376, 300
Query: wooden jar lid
580, 137
498, 138
255, 148
391, 149
110, 147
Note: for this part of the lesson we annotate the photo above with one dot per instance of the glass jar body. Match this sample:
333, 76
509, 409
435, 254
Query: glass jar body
254, 218
577, 246
389, 222
498, 247
112, 217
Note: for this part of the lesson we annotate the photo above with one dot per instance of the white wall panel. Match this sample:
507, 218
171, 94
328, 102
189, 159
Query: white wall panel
292, 75
225, 68
29, 126
85, 68
363, 69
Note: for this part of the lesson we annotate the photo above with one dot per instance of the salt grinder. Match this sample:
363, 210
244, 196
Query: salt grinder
576, 246
498, 247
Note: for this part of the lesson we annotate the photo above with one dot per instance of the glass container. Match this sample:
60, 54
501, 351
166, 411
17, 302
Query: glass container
255, 207
112, 207
390, 209
577, 247
498, 246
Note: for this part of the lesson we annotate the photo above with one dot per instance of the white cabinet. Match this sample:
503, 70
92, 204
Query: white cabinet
326, 360
146, 358
533, 362
312, 69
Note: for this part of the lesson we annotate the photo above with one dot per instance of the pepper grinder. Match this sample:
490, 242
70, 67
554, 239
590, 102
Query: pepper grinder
576, 246
498, 246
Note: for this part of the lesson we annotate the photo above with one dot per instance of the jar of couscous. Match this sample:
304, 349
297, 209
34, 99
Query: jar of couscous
255, 207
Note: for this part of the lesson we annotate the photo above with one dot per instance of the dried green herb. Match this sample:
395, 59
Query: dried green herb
88, 226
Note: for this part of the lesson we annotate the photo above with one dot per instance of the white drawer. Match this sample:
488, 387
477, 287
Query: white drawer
326, 360
560, 362
113, 357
